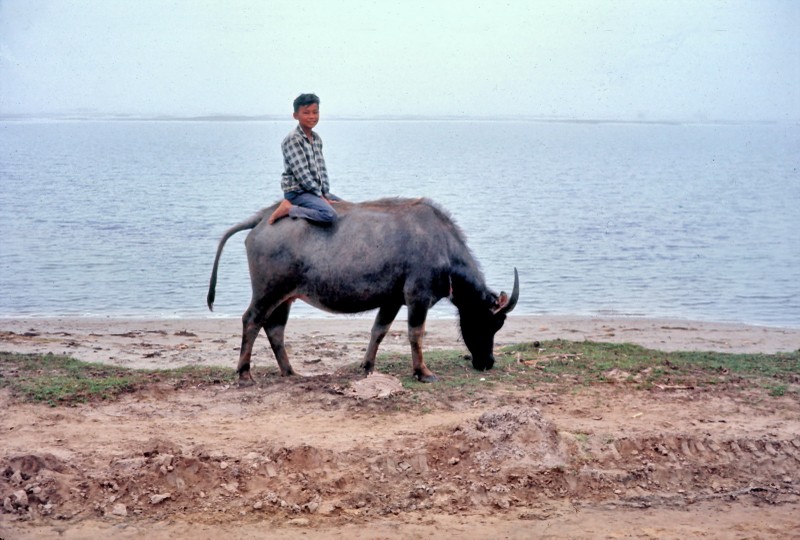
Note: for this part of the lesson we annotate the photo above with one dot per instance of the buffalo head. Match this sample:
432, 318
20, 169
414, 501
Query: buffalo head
481, 321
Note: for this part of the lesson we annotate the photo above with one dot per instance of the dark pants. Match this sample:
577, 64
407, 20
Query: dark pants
308, 206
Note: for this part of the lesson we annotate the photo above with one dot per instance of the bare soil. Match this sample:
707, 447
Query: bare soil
307, 456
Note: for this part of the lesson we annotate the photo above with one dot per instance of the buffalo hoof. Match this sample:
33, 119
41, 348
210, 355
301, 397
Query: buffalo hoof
430, 378
367, 369
246, 380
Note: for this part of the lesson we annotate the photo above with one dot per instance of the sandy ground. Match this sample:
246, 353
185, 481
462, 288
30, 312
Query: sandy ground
321, 345
298, 457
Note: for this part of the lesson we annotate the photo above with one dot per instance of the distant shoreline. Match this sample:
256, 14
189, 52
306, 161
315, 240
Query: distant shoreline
369, 316
93, 117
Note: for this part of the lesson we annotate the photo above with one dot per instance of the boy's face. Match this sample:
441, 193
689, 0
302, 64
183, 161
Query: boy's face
308, 116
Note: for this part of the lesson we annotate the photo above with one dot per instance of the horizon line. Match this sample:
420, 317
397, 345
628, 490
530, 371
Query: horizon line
219, 117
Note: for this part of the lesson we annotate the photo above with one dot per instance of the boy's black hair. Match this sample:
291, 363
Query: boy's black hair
305, 99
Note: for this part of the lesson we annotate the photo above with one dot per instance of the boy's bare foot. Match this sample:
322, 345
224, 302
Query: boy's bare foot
281, 212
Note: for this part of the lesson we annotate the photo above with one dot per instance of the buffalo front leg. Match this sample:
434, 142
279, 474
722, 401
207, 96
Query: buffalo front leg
274, 328
250, 328
383, 321
416, 331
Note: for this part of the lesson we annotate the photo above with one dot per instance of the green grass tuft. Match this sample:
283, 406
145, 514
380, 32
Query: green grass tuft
62, 380
575, 364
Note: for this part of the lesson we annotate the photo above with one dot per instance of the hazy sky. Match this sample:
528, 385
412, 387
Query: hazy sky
626, 59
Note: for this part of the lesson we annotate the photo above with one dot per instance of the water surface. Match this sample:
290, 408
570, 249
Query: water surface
687, 221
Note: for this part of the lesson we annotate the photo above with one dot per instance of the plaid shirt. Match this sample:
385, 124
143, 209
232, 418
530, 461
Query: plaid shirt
304, 166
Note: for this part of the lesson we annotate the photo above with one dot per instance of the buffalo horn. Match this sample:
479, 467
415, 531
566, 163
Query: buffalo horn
512, 302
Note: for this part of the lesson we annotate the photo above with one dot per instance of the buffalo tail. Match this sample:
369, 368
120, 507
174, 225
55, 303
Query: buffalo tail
249, 223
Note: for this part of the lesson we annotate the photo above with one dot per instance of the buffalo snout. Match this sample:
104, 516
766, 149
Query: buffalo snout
483, 364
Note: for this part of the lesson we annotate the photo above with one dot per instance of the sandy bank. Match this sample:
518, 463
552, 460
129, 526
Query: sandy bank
317, 345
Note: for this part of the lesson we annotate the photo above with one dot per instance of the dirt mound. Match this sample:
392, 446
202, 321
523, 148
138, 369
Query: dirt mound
516, 438
441, 469
506, 457
34, 483
375, 385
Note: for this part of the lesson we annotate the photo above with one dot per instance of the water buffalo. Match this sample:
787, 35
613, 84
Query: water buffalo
378, 255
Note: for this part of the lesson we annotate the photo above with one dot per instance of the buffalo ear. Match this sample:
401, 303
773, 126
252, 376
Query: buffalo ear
500, 303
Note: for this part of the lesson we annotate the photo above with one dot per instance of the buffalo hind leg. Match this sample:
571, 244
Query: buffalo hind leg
251, 325
383, 321
274, 328
416, 331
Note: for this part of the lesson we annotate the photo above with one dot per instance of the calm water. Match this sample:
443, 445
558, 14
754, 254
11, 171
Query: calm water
695, 222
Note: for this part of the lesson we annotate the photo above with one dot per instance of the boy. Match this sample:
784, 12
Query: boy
305, 178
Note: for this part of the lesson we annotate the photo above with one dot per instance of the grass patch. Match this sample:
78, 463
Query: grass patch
570, 364
62, 380
598, 362
563, 365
